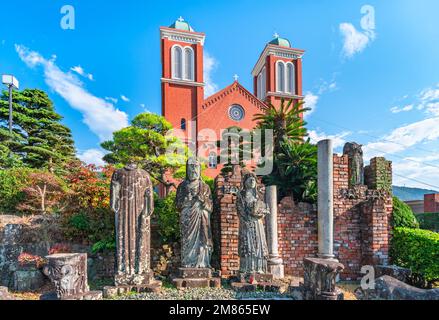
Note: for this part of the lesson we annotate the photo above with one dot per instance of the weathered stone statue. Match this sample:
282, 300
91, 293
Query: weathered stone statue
132, 202
194, 202
356, 164
252, 209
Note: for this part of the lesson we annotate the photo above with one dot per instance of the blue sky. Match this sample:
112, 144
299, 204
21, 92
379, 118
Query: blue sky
377, 84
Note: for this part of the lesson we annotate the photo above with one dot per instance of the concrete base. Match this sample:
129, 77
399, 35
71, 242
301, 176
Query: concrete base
91, 295
111, 291
277, 270
249, 282
134, 279
252, 287
196, 278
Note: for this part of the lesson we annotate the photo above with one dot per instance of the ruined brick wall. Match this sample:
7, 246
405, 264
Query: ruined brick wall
297, 234
378, 175
361, 223
362, 216
225, 224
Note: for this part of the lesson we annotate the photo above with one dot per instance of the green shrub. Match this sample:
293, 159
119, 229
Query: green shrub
12, 181
108, 244
429, 221
403, 215
417, 250
167, 218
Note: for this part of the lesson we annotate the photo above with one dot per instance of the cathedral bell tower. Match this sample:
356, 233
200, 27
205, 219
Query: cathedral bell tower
278, 72
182, 80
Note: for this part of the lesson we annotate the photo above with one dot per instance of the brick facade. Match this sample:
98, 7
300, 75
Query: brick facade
431, 202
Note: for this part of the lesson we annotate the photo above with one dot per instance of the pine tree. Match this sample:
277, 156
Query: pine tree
39, 139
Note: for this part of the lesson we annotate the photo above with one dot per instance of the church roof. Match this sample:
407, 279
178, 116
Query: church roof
235, 86
278, 41
180, 24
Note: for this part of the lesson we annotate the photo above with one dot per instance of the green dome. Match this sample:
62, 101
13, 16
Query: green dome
278, 41
180, 24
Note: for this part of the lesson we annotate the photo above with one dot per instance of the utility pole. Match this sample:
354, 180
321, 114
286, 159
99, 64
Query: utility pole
12, 83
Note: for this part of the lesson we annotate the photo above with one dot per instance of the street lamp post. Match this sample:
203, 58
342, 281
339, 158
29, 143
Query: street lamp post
12, 83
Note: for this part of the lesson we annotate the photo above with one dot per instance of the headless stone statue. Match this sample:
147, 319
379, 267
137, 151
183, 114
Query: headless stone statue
253, 249
132, 201
356, 164
194, 203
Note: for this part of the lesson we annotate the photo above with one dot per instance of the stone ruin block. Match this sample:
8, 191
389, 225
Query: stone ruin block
196, 278
320, 278
68, 272
378, 175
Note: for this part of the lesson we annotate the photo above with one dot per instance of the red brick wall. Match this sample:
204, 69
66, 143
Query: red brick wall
297, 230
361, 226
225, 226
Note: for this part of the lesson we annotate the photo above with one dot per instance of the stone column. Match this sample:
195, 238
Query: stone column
68, 272
325, 199
275, 263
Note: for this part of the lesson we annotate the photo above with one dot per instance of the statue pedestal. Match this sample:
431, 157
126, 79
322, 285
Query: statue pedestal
276, 267
257, 281
125, 283
68, 272
196, 278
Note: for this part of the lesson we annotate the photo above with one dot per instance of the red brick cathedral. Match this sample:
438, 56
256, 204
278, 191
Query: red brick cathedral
277, 74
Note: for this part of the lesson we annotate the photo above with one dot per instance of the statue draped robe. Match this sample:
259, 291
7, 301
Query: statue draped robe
194, 202
253, 249
133, 204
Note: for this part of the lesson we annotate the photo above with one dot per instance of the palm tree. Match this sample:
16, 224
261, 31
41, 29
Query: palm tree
285, 121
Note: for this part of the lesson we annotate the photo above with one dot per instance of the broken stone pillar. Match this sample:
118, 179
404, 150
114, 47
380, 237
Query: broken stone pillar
68, 272
325, 199
275, 263
320, 278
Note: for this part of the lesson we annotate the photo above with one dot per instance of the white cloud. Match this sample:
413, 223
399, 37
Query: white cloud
413, 172
210, 65
338, 140
114, 100
99, 115
410, 135
429, 100
92, 156
79, 70
355, 41
406, 108
310, 102
124, 98
404, 137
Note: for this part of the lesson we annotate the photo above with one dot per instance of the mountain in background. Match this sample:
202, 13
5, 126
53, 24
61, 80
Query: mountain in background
406, 193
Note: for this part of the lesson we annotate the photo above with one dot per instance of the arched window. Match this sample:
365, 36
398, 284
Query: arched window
263, 83
188, 64
213, 162
183, 124
291, 81
177, 62
280, 82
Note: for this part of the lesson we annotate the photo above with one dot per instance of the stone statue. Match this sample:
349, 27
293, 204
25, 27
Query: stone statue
194, 203
252, 209
356, 165
132, 201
